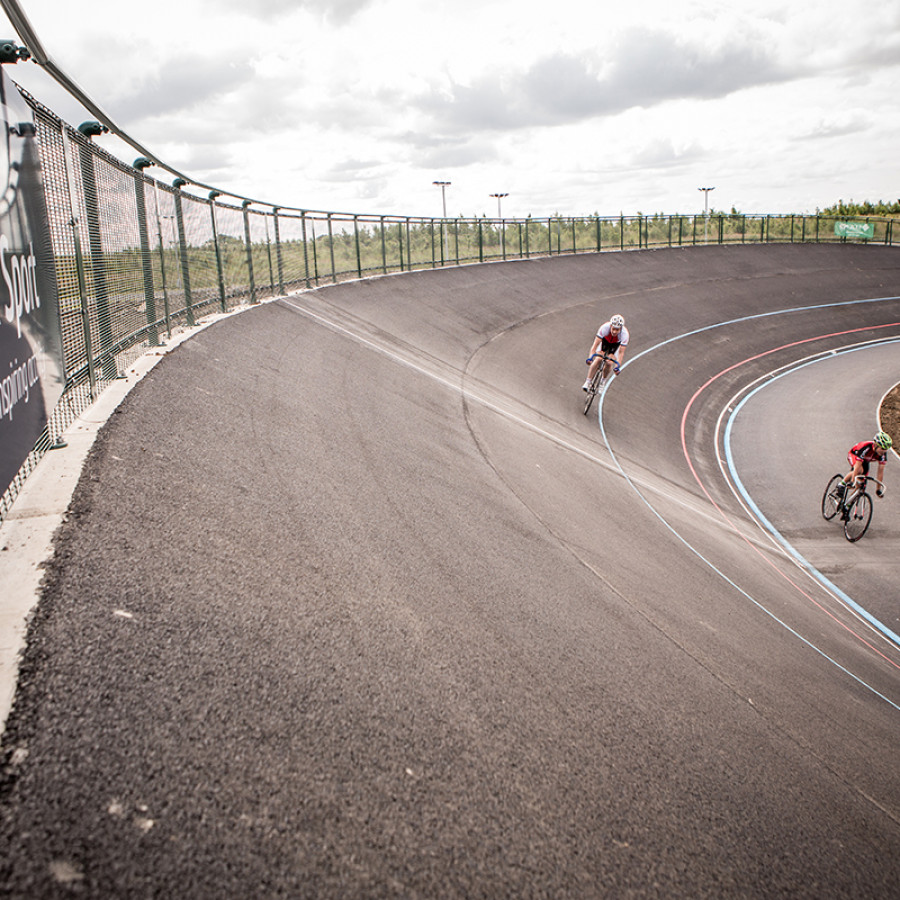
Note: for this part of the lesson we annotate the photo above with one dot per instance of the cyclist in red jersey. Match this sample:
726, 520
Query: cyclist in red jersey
862, 454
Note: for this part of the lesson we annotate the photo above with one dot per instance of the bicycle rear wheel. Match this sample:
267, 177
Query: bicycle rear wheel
830, 501
859, 516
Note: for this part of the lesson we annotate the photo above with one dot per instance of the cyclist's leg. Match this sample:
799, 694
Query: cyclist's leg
592, 371
851, 489
610, 360
860, 467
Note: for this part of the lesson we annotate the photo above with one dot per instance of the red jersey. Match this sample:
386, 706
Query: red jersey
867, 451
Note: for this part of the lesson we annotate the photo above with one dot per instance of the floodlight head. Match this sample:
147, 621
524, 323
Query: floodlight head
92, 128
10, 52
142, 163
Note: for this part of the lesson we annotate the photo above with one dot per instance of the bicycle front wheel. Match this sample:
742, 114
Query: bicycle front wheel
595, 386
858, 518
831, 502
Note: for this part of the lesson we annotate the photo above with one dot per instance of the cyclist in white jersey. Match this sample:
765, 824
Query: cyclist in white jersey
612, 336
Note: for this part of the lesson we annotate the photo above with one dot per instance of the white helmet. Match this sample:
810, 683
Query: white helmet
617, 321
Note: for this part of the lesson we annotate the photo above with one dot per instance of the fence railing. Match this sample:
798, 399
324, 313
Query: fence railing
136, 258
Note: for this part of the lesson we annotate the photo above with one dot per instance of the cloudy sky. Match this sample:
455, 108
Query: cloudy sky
570, 106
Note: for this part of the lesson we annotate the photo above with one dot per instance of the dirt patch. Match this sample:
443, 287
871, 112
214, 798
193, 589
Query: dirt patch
890, 415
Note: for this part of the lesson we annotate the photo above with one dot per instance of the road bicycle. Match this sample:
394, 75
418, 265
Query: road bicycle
598, 380
855, 506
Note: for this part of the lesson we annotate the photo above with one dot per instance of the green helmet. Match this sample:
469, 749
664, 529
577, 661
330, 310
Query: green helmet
883, 440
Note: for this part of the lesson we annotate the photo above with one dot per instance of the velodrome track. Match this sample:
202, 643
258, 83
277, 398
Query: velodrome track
353, 601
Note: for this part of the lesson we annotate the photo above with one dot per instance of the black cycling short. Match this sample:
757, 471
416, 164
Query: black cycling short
607, 347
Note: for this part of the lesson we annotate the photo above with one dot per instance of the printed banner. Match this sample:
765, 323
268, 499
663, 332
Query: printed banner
32, 373
855, 229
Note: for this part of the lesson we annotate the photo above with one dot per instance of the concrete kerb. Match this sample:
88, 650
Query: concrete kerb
26, 534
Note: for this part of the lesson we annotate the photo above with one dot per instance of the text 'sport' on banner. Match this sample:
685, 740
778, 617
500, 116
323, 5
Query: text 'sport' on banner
31, 362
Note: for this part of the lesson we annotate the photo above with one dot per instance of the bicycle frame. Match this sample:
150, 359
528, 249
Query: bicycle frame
859, 487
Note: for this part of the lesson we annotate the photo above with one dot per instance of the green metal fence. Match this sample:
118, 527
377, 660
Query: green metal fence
136, 258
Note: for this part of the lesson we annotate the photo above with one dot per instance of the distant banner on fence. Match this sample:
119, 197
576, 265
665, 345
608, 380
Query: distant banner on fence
855, 229
31, 364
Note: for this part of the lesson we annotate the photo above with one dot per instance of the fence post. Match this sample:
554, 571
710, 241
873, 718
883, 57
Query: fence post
306, 249
162, 262
315, 252
383, 248
140, 164
178, 183
409, 253
95, 245
269, 257
356, 239
215, 233
79, 270
248, 246
331, 248
278, 256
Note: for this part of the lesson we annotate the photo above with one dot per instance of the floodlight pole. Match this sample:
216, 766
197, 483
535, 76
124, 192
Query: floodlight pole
443, 185
500, 224
706, 191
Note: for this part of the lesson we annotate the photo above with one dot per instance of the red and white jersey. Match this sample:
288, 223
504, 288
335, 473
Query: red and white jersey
621, 339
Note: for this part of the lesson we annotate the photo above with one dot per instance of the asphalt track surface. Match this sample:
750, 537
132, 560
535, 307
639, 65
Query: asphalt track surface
353, 601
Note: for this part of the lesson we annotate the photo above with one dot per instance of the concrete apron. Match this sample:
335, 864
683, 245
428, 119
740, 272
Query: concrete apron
26, 534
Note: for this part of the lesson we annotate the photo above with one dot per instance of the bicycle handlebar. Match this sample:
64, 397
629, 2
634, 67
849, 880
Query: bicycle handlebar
605, 355
862, 479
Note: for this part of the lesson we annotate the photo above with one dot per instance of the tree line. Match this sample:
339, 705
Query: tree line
866, 208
